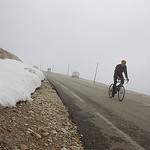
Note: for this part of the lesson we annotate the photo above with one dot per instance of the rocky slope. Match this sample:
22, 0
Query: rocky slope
41, 124
5, 54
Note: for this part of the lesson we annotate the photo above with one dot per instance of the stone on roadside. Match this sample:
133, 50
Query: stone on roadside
64, 130
13, 118
46, 144
38, 135
45, 134
54, 131
23, 147
28, 102
34, 133
50, 140
64, 148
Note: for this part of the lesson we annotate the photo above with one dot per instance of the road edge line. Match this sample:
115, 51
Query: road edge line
127, 137
77, 97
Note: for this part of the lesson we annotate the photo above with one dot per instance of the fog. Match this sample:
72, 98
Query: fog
81, 33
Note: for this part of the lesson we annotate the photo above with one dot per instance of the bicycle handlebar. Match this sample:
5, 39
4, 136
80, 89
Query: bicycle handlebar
124, 79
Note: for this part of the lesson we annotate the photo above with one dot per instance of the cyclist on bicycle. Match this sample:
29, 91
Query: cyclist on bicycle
118, 75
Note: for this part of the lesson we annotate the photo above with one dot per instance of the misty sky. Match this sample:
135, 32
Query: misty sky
81, 33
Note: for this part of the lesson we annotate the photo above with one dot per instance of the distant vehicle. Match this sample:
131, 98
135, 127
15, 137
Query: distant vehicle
36, 67
75, 75
49, 69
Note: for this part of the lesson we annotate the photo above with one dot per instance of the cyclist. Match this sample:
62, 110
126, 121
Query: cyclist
118, 75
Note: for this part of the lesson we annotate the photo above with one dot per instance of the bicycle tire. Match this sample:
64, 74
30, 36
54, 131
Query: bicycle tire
110, 90
121, 92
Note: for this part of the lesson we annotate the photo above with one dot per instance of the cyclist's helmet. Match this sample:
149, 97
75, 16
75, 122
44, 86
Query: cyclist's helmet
123, 62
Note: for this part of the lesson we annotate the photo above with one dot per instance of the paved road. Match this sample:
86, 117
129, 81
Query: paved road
106, 124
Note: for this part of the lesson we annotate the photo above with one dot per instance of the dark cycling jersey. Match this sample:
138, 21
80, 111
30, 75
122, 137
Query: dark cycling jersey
119, 70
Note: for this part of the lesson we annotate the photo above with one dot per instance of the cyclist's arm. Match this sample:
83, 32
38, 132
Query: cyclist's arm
116, 71
125, 72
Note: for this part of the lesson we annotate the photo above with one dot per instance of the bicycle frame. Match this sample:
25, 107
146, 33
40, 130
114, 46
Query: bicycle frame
119, 81
120, 93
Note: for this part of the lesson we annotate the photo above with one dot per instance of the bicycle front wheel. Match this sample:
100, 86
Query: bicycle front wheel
110, 90
121, 93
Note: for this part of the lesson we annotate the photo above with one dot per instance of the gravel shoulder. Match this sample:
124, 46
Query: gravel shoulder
41, 124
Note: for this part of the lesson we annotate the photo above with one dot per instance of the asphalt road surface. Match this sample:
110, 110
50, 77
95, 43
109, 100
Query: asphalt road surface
105, 123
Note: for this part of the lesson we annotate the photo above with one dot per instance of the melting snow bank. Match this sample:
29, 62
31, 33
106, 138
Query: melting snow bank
17, 81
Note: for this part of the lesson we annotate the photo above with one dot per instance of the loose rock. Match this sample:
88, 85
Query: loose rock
23, 147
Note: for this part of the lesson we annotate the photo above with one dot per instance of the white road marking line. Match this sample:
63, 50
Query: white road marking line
61, 85
64, 86
71, 92
57, 82
127, 137
77, 97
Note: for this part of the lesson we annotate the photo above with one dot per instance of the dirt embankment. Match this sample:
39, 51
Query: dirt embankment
5, 54
41, 124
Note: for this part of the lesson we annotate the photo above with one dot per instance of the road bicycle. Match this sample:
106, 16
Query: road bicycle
119, 88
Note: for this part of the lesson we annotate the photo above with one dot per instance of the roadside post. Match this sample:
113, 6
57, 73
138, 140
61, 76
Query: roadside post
68, 69
95, 73
52, 68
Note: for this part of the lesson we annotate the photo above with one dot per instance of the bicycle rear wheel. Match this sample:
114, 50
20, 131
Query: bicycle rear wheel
121, 93
110, 90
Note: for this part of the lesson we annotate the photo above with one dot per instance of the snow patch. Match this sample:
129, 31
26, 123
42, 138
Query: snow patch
17, 81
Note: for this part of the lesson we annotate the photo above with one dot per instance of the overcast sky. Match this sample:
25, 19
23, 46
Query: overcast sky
81, 33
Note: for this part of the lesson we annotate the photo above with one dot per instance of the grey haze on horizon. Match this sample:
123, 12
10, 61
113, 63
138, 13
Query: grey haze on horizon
81, 33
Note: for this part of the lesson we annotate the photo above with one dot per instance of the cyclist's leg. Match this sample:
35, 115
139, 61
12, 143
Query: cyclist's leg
114, 87
122, 80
